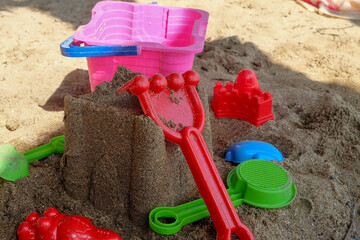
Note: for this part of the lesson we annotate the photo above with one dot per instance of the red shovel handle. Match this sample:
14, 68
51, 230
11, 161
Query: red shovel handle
211, 187
154, 97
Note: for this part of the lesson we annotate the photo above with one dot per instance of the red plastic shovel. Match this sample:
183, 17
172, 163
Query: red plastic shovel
174, 104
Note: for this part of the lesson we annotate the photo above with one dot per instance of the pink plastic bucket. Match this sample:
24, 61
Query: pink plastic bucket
167, 38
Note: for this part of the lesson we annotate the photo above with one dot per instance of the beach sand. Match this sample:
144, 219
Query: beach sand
309, 63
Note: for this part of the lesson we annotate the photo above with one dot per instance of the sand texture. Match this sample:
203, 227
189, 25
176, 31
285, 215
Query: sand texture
309, 63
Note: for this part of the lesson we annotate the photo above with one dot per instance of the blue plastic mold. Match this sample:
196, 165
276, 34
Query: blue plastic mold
242, 151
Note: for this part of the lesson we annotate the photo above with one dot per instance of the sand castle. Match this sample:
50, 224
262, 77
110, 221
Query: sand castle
118, 159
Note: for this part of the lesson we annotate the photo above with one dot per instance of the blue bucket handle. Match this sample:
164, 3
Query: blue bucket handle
69, 50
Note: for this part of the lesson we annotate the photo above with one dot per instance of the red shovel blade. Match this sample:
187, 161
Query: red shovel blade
172, 102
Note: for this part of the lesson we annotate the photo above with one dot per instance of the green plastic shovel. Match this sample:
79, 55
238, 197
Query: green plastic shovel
15, 165
259, 183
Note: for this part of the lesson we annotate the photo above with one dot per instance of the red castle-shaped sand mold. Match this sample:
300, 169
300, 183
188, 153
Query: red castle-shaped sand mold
244, 100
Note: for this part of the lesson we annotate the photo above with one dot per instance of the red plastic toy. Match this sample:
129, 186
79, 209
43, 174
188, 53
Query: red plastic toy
174, 104
244, 100
58, 226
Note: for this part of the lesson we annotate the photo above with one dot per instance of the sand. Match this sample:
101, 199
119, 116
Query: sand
309, 63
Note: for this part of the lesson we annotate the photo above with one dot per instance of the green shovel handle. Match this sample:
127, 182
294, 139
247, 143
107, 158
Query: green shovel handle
56, 145
183, 214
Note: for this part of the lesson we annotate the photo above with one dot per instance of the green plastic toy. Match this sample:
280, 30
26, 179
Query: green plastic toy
15, 165
259, 183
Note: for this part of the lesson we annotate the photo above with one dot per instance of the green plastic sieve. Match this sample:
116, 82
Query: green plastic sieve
259, 183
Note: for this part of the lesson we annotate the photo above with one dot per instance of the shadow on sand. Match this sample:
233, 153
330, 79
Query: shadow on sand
228, 57
75, 12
